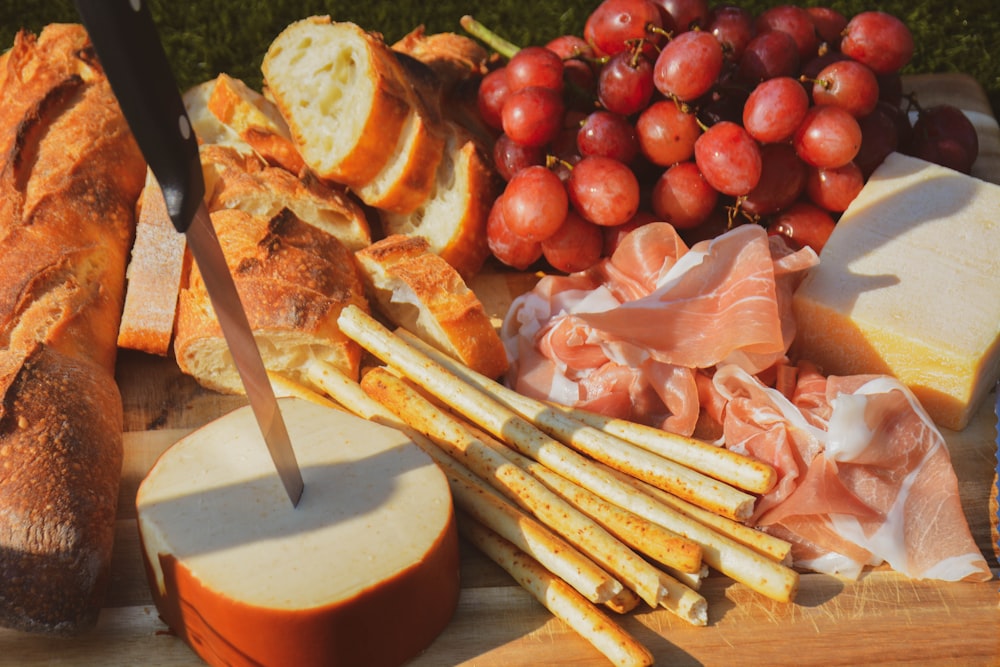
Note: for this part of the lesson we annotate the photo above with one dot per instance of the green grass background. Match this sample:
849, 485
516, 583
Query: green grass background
205, 38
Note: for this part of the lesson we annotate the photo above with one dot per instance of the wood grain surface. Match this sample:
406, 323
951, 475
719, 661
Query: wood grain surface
882, 618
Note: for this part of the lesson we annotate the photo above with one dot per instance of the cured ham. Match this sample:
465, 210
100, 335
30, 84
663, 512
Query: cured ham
678, 337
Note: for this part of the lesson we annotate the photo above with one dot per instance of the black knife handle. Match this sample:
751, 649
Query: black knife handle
128, 45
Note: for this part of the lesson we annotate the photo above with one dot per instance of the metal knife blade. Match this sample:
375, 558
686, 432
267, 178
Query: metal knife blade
128, 45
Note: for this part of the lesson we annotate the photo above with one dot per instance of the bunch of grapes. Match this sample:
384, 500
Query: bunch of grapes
702, 117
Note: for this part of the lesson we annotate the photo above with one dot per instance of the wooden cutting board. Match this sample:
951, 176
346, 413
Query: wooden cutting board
882, 618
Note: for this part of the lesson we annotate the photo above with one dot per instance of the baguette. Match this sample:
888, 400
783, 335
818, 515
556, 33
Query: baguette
425, 295
207, 127
294, 280
70, 180
340, 91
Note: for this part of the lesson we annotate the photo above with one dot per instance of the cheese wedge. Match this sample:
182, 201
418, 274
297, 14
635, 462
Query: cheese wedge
364, 571
909, 285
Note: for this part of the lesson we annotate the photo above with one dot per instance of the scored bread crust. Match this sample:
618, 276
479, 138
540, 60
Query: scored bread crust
422, 293
69, 180
293, 280
453, 218
256, 120
338, 88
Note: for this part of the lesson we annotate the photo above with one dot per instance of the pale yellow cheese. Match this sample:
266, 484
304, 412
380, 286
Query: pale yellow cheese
909, 285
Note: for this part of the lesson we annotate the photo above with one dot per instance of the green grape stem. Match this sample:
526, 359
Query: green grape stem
488, 37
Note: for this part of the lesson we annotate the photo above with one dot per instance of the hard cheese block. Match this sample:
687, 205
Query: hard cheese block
909, 285
364, 571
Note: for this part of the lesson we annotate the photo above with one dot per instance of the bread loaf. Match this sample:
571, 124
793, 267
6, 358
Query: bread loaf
425, 295
293, 279
68, 188
339, 89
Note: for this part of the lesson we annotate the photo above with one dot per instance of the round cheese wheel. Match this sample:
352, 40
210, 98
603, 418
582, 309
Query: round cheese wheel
364, 571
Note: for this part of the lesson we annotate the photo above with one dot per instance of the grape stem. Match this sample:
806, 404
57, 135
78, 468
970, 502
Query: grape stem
488, 37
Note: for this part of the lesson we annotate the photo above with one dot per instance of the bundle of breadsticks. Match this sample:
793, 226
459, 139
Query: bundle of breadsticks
593, 516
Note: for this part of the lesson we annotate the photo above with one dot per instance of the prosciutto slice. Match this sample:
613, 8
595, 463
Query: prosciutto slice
864, 475
627, 337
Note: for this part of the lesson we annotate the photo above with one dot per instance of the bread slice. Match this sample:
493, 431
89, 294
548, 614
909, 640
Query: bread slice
294, 280
340, 91
425, 295
452, 57
240, 181
256, 120
453, 219
155, 273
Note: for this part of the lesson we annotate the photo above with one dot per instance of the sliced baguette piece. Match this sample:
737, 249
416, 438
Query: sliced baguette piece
293, 280
425, 295
340, 91
452, 57
155, 274
207, 127
453, 219
256, 120
241, 181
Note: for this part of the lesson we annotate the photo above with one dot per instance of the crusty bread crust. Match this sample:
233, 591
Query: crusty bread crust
70, 177
294, 280
425, 295
338, 88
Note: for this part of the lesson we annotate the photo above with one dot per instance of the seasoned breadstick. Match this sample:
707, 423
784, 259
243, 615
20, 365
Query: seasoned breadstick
476, 497
515, 484
587, 620
661, 472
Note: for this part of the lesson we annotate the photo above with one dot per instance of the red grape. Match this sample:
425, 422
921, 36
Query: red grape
608, 134
803, 224
944, 135
782, 180
829, 24
768, 55
728, 158
827, 137
733, 27
603, 190
685, 14
879, 40
576, 245
614, 23
506, 246
795, 21
533, 116
834, 189
534, 66
682, 196
688, 65
879, 137
535, 203
667, 132
493, 92
774, 109
510, 157
847, 84
625, 83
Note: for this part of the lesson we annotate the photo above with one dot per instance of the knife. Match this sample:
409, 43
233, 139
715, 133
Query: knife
128, 45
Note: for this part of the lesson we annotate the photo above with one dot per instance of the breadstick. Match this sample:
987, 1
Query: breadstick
564, 603
515, 484
661, 472
773, 547
474, 496
664, 546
